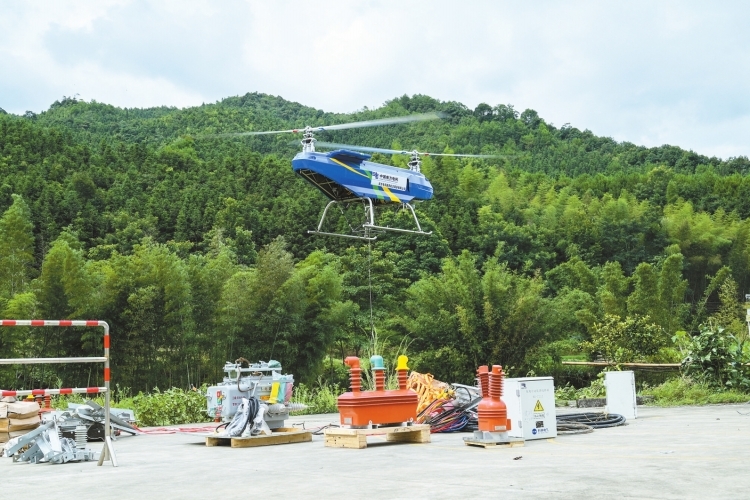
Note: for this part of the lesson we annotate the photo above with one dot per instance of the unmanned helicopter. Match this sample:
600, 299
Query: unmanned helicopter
346, 176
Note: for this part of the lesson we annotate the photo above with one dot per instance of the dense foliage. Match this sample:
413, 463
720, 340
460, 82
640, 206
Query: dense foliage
192, 244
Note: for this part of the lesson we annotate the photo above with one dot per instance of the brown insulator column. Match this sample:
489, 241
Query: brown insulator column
355, 373
492, 415
484, 377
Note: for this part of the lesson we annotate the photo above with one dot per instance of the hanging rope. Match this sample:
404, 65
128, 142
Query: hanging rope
369, 279
373, 334
351, 228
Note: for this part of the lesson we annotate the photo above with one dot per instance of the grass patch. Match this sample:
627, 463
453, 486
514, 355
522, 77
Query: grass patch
320, 399
680, 391
686, 391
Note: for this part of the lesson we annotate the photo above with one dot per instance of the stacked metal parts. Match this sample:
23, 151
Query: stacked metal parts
63, 435
379, 407
44, 445
86, 421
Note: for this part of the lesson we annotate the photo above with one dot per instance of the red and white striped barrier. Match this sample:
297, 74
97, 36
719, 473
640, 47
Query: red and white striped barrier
55, 392
108, 453
45, 322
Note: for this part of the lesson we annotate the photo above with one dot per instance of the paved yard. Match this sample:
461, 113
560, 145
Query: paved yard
686, 452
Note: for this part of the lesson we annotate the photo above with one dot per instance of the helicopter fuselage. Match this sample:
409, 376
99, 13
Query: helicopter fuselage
346, 175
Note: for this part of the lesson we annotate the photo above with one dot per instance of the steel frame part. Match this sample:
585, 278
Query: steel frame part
369, 227
108, 453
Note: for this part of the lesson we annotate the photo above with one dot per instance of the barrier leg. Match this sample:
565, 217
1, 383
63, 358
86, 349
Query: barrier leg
108, 452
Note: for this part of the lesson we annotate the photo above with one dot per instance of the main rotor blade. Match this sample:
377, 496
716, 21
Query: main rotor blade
367, 149
265, 132
382, 121
463, 156
334, 145
342, 126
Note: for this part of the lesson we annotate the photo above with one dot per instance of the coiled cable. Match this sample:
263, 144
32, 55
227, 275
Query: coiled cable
583, 423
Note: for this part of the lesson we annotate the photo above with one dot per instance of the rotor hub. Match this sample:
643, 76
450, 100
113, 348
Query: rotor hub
415, 162
308, 140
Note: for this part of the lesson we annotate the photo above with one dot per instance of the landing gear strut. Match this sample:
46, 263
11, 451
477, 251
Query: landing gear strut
369, 230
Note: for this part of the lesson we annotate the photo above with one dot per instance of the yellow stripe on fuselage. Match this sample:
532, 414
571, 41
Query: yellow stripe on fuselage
392, 196
348, 167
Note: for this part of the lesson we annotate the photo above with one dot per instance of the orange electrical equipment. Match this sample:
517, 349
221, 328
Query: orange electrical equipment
492, 412
379, 407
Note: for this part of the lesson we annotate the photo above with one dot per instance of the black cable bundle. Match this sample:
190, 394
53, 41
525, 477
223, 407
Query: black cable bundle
448, 415
582, 423
243, 417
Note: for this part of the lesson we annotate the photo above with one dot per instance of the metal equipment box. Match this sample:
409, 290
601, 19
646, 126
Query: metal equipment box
620, 388
223, 401
531, 407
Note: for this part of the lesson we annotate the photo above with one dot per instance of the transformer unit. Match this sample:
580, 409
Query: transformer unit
261, 380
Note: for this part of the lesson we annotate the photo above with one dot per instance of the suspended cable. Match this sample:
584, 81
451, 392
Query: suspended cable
369, 279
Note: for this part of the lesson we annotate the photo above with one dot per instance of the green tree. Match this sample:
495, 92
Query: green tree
147, 299
285, 311
643, 300
671, 294
731, 313
613, 292
16, 248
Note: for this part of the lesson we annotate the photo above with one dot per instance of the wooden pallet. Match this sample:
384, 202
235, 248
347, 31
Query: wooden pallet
491, 444
357, 438
284, 435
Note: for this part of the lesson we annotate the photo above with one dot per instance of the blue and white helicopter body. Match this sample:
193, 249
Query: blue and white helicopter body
344, 175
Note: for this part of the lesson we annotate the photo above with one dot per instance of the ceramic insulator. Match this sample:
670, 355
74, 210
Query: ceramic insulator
379, 380
496, 382
80, 434
484, 378
286, 408
403, 377
355, 373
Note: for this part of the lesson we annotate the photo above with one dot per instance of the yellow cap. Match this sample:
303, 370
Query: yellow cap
401, 364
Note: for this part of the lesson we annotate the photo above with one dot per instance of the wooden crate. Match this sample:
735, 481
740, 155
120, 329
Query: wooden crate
357, 438
284, 435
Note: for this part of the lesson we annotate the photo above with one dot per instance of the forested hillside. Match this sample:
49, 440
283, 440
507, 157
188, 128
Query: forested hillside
193, 244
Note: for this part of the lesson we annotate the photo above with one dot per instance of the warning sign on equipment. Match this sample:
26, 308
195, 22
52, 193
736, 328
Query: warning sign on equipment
538, 406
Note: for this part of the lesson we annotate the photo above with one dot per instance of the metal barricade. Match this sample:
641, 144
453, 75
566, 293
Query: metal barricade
108, 453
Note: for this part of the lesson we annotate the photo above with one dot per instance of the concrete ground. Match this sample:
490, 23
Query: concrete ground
685, 452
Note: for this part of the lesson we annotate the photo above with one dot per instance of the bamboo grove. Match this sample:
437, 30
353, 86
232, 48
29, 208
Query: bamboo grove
192, 245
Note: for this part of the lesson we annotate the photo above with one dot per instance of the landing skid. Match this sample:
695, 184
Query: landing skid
369, 229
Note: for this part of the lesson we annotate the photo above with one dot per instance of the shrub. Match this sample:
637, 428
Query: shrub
717, 358
171, 407
626, 340
594, 390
